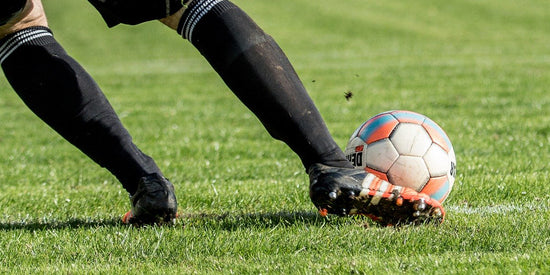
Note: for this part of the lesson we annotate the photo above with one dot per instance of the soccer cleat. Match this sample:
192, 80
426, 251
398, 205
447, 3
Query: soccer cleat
347, 191
153, 203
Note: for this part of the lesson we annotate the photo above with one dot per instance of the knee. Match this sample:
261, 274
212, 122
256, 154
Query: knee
21, 14
173, 20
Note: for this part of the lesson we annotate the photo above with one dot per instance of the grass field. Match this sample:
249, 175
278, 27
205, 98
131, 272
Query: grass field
481, 69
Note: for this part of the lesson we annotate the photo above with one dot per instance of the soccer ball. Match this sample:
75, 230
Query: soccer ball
406, 149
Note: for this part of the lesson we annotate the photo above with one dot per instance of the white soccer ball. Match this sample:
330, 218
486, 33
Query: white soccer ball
406, 149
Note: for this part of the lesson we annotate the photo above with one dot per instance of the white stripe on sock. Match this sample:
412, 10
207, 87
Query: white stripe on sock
20, 39
195, 15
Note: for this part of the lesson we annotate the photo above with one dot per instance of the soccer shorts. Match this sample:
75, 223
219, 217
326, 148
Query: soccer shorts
134, 12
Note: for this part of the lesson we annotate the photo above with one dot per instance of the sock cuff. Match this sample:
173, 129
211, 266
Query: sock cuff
196, 10
38, 36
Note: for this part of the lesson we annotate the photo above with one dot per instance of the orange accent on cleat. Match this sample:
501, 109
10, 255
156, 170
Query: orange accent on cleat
126, 218
323, 212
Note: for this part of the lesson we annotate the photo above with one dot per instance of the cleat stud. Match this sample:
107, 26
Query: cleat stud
436, 212
416, 214
332, 195
420, 205
351, 194
399, 201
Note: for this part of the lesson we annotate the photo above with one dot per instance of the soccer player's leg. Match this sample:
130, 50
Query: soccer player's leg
256, 69
259, 73
59, 91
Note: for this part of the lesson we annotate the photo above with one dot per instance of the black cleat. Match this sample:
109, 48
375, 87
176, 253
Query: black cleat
153, 203
348, 191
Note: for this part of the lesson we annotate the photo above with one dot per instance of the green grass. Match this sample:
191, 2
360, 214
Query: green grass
478, 68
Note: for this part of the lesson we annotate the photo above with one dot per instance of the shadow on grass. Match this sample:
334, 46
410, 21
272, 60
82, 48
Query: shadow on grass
224, 221
73, 223
230, 221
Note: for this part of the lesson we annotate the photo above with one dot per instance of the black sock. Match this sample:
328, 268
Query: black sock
259, 73
57, 89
